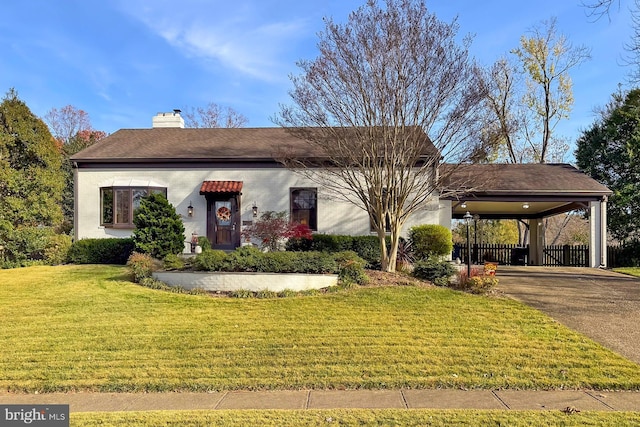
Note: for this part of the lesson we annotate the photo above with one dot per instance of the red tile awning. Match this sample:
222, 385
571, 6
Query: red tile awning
220, 187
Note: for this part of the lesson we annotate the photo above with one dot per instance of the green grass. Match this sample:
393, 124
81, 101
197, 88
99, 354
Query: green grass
632, 271
87, 328
357, 417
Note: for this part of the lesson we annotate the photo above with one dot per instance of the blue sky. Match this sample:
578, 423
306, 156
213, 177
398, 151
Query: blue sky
122, 61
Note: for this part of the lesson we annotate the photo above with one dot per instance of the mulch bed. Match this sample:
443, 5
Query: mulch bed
383, 278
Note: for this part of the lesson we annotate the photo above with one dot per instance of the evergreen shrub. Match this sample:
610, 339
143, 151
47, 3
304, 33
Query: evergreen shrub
431, 240
436, 271
367, 247
159, 229
101, 251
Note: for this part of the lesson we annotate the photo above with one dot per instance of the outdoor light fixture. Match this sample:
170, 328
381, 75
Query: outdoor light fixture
254, 209
525, 205
190, 209
463, 205
467, 218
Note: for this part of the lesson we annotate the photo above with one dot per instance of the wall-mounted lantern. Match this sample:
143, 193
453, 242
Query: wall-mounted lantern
190, 209
254, 209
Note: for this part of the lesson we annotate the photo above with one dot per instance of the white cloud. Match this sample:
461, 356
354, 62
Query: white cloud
239, 38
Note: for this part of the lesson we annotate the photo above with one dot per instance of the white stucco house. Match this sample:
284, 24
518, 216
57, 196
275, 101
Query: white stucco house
220, 180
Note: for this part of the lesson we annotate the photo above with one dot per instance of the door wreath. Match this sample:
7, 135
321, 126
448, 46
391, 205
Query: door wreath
223, 213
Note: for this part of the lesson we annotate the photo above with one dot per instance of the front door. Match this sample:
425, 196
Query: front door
222, 222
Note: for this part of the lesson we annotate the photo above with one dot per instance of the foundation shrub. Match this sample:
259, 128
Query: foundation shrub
431, 240
347, 264
210, 260
101, 251
248, 258
366, 247
436, 271
159, 230
173, 262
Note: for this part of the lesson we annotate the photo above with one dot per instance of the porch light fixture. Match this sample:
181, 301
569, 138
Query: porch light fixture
254, 209
464, 205
190, 209
525, 205
467, 218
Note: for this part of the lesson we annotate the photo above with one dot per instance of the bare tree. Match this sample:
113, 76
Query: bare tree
596, 9
66, 122
213, 116
599, 8
71, 127
391, 95
546, 58
502, 134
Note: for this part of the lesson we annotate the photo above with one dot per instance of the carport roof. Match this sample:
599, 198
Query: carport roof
504, 190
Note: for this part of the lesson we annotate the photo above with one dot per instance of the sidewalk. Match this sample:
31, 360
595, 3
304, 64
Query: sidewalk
587, 400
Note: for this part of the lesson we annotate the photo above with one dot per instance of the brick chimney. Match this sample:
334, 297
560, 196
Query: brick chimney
168, 120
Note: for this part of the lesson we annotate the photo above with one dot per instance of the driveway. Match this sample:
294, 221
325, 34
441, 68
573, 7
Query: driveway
601, 304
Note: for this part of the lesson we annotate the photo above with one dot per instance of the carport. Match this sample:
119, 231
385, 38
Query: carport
530, 193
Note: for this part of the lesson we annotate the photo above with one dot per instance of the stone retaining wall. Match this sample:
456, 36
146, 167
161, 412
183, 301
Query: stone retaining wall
222, 281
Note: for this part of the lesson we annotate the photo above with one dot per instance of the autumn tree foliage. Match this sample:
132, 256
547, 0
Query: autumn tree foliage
71, 127
273, 229
213, 116
392, 93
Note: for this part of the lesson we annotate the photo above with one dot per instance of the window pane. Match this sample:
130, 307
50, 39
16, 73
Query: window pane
303, 207
138, 193
162, 191
123, 206
107, 206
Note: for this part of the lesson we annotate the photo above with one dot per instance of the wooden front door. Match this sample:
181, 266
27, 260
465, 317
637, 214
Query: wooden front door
223, 229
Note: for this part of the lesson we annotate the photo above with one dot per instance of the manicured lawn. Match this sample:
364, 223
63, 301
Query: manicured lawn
357, 417
632, 271
87, 328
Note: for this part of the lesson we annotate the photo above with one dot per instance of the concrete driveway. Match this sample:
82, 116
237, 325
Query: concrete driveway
601, 304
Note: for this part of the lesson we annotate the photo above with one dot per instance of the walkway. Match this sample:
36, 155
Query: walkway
601, 304
333, 399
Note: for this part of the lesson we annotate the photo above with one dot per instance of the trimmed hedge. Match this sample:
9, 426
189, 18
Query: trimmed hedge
101, 251
367, 247
430, 240
347, 265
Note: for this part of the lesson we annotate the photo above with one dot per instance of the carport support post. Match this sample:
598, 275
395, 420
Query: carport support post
467, 218
598, 233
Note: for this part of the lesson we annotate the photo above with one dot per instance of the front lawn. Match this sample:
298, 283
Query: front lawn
356, 417
88, 328
632, 271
